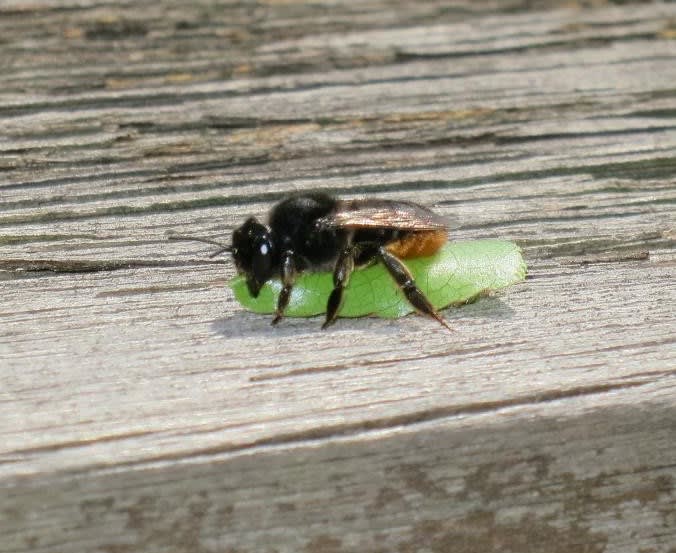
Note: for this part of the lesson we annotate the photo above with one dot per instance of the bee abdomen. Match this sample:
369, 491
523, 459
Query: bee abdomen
417, 244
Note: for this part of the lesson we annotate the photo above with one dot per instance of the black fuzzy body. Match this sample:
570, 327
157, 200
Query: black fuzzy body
296, 224
293, 225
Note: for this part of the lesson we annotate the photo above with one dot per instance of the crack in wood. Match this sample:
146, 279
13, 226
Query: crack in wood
330, 432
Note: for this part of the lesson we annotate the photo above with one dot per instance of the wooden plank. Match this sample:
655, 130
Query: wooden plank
143, 410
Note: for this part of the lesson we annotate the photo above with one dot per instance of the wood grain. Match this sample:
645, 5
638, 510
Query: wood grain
141, 409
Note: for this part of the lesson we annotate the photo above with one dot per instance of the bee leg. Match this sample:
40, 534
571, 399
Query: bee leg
341, 276
404, 279
288, 274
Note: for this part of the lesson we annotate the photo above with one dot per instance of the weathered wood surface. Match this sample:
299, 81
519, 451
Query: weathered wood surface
143, 410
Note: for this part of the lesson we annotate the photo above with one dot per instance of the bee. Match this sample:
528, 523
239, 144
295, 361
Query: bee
317, 232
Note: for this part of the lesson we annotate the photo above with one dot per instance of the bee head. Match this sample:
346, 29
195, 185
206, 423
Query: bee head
254, 252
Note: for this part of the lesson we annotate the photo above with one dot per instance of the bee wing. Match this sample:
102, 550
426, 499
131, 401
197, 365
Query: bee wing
383, 214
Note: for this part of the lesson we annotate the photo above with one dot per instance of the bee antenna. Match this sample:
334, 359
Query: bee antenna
224, 249
171, 235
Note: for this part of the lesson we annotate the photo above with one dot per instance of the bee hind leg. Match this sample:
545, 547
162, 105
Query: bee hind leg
404, 279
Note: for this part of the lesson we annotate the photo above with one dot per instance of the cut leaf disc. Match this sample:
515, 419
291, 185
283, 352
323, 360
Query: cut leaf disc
456, 274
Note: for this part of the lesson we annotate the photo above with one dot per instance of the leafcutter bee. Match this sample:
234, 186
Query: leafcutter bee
317, 232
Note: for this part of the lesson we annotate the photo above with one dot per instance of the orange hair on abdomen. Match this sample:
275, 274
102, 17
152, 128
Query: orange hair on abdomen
418, 244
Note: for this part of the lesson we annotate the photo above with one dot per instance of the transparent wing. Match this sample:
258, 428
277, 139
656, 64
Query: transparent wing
383, 214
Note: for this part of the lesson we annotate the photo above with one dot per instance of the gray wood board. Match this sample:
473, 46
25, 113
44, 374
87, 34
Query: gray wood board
142, 409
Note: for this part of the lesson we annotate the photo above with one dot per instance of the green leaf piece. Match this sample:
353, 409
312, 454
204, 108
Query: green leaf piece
456, 274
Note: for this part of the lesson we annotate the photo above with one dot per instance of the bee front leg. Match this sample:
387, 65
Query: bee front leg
288, 274
404, 279
341, 276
